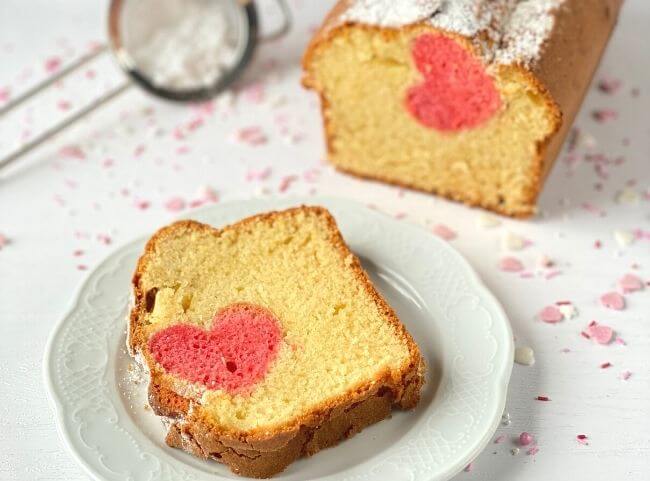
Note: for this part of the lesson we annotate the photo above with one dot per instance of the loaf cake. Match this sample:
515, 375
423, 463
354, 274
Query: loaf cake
468, 99
265, 340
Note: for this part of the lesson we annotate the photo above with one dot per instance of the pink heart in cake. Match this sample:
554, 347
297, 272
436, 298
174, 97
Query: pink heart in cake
457, 93
234, 355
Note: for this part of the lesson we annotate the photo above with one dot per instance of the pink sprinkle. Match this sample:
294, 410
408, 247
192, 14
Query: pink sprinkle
613, 300
543, 398
630, 283
78, 253
589, 207
178, 133
142, 204
311, 175
641, 234
138, 151
82, 267
90, 74
254, 93
552, 274
599, 333
108, 163
52, 64
525, 439
598, 244
582, 439
609, 85
401, 215
252, 136
620, 341
4, 241
264, 174
604, 115
532, 451
72, 152
606, 365
104, 239
4, 94
207, 194
175, 204
625, 375
551, 315
195, 124
510, 264
469, 467
444, 232
63, 105
500, 439
286, 182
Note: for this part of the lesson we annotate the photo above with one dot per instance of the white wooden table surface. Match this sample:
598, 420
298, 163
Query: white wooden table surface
125, 171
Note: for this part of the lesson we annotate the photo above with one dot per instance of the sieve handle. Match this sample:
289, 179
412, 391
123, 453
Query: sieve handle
284, 28
64, 72
52, 131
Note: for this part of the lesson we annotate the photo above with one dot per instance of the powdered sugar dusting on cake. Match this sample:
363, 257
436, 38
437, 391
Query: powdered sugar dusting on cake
528, 27
516, 28
466, 17
389, 13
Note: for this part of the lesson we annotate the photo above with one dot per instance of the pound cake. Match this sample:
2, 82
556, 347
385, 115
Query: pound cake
265, 340
468, 99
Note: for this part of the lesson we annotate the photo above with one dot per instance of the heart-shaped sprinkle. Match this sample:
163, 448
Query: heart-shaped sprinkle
630, 283
457, 93
551, 314
613, 300
599, 333
233, 355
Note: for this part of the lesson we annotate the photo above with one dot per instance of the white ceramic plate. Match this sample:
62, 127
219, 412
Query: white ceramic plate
460, 328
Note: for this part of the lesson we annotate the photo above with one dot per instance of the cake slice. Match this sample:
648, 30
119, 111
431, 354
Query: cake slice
469, 99
265, 340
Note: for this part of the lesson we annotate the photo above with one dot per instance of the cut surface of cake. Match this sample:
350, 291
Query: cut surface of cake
469, 99
265, 340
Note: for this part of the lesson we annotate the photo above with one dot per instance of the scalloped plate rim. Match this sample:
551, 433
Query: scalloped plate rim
505, 369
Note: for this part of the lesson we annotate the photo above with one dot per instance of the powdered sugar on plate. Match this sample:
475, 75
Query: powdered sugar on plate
517, 28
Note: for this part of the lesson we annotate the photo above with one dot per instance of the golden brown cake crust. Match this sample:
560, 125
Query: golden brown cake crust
259, 453
562, 74
570, 58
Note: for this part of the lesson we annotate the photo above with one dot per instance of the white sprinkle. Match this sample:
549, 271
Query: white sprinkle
586, 140
514, 451
623, 238
513, 242
569, 311
487, 221
628, 196
525, 356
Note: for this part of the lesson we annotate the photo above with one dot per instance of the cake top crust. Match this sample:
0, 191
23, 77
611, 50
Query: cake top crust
515, 30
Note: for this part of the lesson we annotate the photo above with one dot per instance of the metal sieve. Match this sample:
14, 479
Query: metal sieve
180, 50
